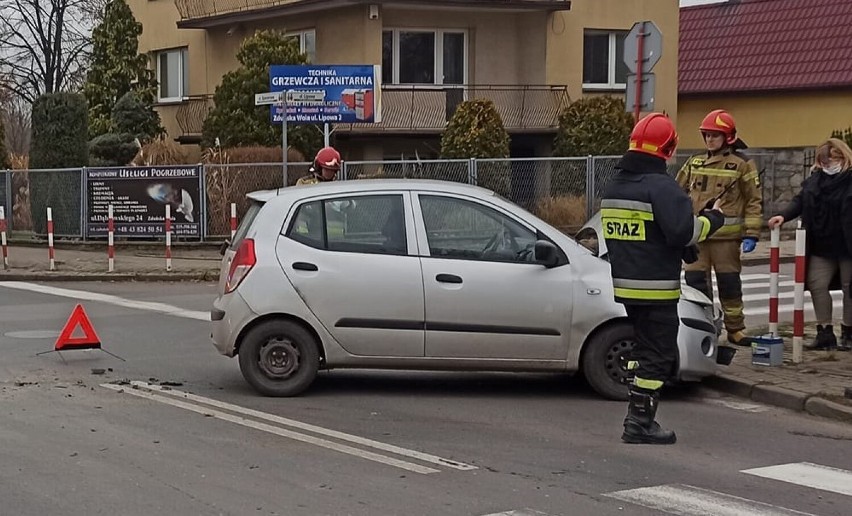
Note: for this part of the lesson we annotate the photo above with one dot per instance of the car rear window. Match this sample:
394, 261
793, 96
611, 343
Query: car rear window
245, 223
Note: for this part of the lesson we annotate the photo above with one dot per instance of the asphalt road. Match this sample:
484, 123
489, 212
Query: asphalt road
361, 442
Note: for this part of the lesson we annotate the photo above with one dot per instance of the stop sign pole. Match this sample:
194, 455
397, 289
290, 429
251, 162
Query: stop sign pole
643, 47
640, 44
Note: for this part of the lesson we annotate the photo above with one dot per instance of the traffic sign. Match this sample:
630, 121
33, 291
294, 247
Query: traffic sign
646, 102
652, 46
296, 96
266, 99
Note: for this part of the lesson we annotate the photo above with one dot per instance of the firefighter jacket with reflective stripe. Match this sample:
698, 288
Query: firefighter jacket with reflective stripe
704, 177
647, 222
309, 180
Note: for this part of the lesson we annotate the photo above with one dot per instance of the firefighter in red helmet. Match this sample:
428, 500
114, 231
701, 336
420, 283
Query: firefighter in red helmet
325, 167
648, 223
724, 173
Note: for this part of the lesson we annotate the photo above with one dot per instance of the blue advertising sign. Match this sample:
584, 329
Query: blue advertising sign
341, 94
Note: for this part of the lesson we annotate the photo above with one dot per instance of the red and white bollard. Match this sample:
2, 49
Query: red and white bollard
111, 240
3, 247
774, 266
50, 252
233, 220
799, 296
168, 238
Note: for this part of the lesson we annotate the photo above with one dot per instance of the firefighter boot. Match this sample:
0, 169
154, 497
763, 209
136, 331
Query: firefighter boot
639, 425
845, 338
825, 338
738, 338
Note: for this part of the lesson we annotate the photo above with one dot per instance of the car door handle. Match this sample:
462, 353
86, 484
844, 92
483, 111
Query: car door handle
448, 278
304, 266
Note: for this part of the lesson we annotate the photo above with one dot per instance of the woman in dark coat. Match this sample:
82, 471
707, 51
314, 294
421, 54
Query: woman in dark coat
825, 206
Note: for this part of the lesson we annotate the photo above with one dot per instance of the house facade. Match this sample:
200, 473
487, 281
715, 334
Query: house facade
531, 57
783, 68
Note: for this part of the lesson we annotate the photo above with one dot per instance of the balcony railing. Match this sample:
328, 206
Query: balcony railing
192, 112
419, 108
407, 109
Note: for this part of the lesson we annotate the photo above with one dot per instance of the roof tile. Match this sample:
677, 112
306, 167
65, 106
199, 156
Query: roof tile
760, 45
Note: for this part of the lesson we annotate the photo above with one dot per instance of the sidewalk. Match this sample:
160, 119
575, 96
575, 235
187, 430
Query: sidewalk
133, 262
816, 386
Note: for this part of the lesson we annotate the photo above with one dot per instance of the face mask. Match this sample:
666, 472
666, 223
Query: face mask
833, 169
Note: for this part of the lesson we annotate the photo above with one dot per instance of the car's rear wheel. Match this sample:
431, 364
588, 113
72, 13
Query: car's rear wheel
279, 358
605, 360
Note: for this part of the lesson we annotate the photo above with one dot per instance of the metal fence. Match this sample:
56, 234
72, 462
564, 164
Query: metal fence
562, 191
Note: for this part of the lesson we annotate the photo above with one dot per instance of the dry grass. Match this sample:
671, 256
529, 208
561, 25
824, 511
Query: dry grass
232, 181
162, 151
22, 218
20, 161
567, 213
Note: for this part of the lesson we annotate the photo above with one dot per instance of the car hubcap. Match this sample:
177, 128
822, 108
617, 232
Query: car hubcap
279, 358
616, 360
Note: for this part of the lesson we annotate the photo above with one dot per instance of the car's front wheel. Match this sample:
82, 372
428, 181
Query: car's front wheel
605, 360
279, 358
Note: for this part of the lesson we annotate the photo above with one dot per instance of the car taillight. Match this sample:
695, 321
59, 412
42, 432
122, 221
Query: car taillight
242, 263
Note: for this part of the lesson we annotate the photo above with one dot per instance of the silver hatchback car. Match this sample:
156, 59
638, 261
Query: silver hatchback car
429, 275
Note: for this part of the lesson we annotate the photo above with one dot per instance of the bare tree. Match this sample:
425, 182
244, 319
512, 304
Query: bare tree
15, 117
42, 43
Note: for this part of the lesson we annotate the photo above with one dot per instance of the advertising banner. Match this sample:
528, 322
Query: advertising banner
316, 94
139, 196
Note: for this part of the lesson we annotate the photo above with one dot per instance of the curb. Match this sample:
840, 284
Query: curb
115, 276
765, 261
779, 397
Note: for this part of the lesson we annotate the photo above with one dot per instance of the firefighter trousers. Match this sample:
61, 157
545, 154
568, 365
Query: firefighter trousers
655, 352
722, 256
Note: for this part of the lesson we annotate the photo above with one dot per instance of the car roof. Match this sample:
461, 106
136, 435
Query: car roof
370, 185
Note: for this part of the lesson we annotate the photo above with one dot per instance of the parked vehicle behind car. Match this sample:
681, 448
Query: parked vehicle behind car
424, 275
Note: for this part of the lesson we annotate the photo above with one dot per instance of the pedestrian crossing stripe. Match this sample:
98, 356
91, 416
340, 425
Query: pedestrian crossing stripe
689, 500
808, 475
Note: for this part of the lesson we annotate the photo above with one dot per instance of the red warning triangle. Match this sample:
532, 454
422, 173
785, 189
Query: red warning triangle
89, 340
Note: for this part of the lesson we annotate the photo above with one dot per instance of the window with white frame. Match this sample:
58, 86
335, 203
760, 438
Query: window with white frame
424, 56
603, 63
307, 43
172, 75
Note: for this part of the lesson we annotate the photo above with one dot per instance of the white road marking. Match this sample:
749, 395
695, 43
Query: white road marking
737, 405
425, 457
808, 475
390, 461
82, 295
688, 500
519, 512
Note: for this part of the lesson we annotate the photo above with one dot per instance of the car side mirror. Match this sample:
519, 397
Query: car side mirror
224, 247
546, 253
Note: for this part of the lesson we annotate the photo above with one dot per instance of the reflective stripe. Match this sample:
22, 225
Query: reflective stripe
617, 213
753, 221
701, 171
632, 365
729, 230
627, 205
750, 175
729, 221
701, 227
651, 295
646, 284
651, 385
645, 146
